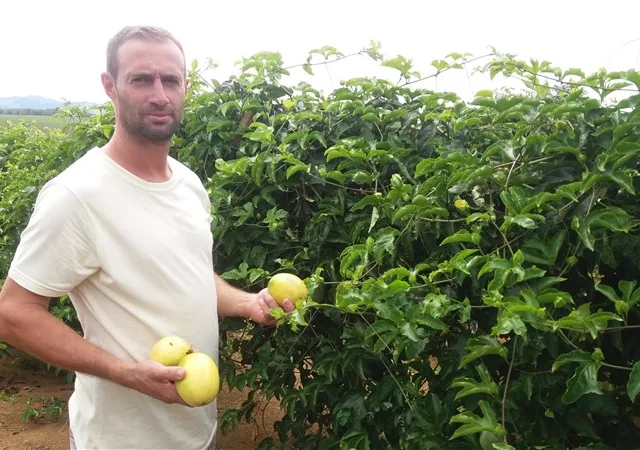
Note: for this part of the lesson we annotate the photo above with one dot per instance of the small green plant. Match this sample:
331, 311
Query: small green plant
50, 409
6, 397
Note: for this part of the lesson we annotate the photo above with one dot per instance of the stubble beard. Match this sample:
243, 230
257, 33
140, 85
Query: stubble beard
133, 121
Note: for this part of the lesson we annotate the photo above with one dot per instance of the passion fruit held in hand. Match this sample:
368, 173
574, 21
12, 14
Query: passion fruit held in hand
169, 350
287, 286
200, 384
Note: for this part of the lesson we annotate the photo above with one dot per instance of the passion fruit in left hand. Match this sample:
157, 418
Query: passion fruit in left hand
201, 381
169, 350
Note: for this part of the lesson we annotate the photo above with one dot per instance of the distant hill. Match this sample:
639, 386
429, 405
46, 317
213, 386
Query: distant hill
35, 102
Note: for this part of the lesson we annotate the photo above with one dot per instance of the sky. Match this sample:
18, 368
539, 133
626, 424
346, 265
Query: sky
57, 48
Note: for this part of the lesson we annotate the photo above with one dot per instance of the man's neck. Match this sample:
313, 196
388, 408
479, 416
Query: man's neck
145, 160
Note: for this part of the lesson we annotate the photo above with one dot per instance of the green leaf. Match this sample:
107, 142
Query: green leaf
607, 291
633, 385
582, 228
462, 236
584, 381
495, 264
375, 215
524, 221
431, 322
474, 424
573, 356
403, 212
483, 346
585, 378
627, 289
390, 311
515, 198
526, 382
624, 180
399, 273
369, 200
295, 169
543, 251
333, 153
218, 122
348, 296
296, 319
624, 152
611, 218
409, 330
507, 322
583, 319
385, 243
470, 386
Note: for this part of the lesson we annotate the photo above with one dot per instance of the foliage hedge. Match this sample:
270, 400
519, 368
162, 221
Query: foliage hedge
472, 265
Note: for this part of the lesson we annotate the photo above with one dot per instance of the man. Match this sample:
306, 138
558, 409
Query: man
125, 230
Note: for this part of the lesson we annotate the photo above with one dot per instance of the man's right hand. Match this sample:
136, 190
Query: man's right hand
157, 381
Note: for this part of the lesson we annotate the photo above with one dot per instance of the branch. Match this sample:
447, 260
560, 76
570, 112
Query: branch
569, 83
506, 387
338, 58
448, 68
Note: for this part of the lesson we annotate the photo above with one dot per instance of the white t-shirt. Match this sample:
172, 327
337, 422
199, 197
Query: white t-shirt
136, 260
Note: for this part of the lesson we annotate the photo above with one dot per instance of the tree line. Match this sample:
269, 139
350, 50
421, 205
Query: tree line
28, 111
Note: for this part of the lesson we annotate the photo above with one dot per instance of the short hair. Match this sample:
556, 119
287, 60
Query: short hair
142, 32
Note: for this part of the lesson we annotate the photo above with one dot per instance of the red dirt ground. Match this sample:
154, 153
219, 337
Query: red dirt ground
19, 384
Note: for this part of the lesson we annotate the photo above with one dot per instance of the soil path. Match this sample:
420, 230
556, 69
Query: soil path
23, 389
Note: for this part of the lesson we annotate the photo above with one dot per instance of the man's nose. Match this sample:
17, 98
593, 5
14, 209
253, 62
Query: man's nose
158, 95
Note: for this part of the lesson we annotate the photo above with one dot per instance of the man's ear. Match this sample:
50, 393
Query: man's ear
109, 85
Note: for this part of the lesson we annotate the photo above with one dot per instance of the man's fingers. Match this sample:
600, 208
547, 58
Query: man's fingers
179, 400
288, 306
268, 302
172, 373
268, 306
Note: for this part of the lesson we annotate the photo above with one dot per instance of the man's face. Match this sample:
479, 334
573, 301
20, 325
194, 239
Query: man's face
150, 89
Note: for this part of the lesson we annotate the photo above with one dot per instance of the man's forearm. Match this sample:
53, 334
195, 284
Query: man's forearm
232, 302
32, 329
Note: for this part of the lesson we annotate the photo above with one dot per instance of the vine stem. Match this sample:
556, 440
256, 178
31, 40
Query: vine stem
429, 219
569, 83
435, 75
626, 327
613, 366
385, 364
605, 364
505, 238
506, 387
546, 158
506, 183
324, 63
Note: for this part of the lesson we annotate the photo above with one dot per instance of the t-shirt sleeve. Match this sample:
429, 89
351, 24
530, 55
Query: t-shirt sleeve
56, 251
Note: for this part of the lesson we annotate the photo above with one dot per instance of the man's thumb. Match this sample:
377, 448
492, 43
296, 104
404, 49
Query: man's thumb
174, 373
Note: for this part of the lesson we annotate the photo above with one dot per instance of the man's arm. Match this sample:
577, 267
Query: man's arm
232, 302
26, 324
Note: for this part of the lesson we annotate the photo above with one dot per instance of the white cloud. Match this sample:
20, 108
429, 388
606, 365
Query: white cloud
57, 49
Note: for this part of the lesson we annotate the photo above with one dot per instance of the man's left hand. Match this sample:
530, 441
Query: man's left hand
258, 308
